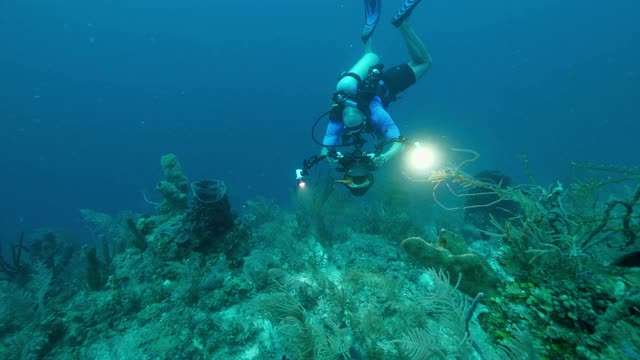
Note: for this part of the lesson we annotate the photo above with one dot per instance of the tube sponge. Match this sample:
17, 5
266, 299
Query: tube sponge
174, 187
173, 172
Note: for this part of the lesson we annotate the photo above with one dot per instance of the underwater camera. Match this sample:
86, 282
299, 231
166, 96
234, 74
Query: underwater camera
357, 168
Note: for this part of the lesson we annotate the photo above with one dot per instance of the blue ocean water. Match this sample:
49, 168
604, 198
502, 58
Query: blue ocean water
93, 93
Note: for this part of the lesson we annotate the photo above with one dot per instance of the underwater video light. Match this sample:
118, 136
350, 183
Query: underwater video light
422, 157
301, 178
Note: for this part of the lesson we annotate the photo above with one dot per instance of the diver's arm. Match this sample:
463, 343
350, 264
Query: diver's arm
393, 150
324, 152
331, 137
382, 121
385, 124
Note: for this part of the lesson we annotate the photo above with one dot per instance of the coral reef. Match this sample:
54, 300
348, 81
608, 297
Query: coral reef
334, 279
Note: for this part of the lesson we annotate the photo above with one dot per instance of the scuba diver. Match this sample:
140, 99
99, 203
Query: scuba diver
361, 99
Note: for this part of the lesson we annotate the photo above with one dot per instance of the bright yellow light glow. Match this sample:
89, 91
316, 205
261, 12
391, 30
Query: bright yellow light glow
423, 157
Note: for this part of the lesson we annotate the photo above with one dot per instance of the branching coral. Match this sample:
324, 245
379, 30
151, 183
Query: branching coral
551, 230
15, 270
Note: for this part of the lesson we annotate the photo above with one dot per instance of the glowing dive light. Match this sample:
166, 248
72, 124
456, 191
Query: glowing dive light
422, 158
302, 183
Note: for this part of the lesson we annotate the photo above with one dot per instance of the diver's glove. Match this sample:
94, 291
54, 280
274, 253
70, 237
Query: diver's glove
379, 160
334, 160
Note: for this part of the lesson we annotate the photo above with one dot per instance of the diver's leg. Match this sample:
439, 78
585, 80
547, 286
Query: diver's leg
368, 46
349, 84
420, 59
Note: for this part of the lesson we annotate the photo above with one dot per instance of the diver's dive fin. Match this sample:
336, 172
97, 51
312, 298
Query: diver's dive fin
404, 11
371, 16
